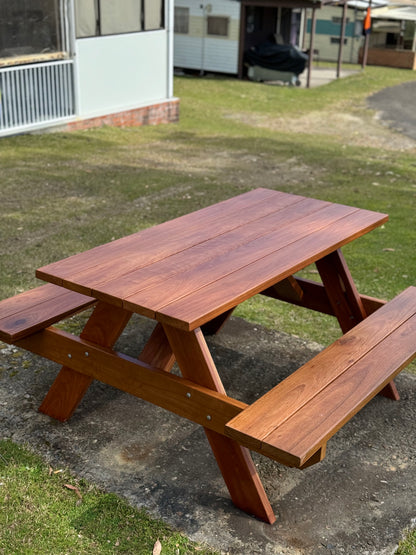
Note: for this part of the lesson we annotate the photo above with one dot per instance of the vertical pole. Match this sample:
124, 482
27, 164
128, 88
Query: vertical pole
366, 43
241, 42
414, 38
305, 21
204, 30
342, 38
169, 27
311, 44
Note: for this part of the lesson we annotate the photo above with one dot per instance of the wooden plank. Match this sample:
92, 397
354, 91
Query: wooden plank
314, 297
290, 396
234, 461
170, 236
212, 265
179, 395
29, 298
209, 301
125, 273
341, 290
104, 327
345, 299
208, 254
211, 270
35, 310
326, 413
157, 352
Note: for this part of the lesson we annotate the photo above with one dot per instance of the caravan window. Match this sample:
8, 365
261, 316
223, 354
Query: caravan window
106, 17
181, 20
217, 25
29, 27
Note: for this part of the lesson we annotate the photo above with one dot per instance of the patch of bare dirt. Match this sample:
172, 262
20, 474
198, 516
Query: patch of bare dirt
360, 129
241, 167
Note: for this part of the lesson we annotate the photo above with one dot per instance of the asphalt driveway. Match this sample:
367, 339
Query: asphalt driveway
397, 107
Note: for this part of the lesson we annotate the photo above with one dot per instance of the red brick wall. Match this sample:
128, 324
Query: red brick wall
163, 112
405, 59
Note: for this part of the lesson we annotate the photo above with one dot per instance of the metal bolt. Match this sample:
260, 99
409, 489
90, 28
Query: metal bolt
188, 395
209, 417
69, 356
87, 353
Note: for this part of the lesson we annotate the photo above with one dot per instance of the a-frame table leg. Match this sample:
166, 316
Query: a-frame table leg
104, 327
239, 472
345, 300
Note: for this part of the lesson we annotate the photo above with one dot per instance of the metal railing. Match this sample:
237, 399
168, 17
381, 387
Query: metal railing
35, 95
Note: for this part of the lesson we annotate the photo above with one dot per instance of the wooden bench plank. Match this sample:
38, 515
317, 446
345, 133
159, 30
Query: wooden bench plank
295, 419
38, 308
312, 426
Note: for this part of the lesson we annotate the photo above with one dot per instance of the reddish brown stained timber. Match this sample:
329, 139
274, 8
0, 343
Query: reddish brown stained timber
314, 297
37, 308
209, 301
104, 328
345, 299
299, 415
234, 461
157, 352
174, 393
174, 234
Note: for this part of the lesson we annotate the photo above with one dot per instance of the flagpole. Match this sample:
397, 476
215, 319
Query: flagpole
366, 41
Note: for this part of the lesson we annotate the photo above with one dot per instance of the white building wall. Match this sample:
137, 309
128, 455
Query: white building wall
121, 72
197, 50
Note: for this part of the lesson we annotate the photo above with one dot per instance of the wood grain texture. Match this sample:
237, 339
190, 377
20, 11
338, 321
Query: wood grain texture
38, 308
314, 297
181, 396
181, 251
296, 418
104, 327
341, 290
191, 270
234, 461
207, 302
172, 236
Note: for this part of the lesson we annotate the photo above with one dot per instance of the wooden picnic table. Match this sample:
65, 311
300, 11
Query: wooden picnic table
188, 275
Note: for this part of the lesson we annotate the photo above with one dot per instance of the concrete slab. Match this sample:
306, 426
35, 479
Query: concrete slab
322, 76
358, 500
319, 76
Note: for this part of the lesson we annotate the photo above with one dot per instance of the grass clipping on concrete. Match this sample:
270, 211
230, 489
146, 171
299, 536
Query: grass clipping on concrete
66, 192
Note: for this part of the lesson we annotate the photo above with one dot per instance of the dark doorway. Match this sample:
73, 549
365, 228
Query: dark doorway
260, 25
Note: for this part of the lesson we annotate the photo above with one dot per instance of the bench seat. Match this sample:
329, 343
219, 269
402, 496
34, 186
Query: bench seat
293, 421
38, 308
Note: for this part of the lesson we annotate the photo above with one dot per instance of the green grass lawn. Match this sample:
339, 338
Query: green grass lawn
66, 192
45, 510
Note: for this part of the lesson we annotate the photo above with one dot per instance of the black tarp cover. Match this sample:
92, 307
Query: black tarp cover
281, 57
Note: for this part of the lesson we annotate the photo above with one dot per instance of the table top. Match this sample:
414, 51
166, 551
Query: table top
186, 271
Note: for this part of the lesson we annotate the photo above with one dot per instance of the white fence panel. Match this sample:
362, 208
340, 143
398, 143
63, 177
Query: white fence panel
35, 95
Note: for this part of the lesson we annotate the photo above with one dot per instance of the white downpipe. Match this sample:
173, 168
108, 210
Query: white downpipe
169, 16
70, 15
